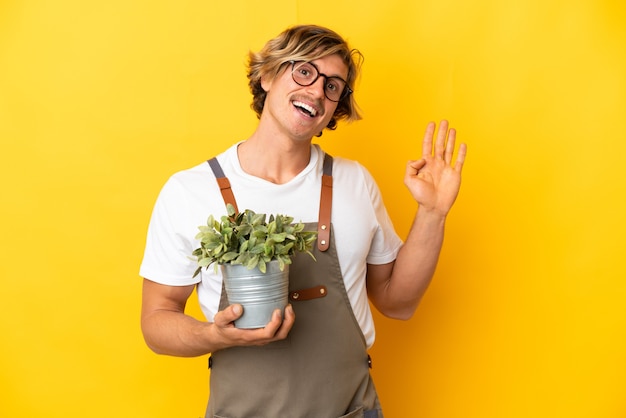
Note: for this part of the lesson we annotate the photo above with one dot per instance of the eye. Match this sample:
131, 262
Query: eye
333, 85
305, 71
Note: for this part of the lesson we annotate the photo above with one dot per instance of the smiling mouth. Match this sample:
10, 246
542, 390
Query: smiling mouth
305, 109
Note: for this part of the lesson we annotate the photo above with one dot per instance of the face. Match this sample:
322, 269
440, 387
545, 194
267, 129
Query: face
301, 111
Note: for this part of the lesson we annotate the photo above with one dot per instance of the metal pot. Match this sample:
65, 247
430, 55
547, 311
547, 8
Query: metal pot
259, 293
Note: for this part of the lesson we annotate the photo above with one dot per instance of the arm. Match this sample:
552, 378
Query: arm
397, 287
168, 330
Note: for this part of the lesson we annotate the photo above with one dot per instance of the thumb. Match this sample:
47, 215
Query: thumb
228, 315
413, 166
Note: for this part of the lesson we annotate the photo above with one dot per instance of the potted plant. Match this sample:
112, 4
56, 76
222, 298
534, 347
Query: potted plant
254, 254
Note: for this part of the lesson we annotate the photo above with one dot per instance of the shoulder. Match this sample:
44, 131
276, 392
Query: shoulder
351, 166
345, 167
354, 175
201, 175
187, 181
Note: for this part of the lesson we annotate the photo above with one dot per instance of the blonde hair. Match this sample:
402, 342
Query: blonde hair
304, 43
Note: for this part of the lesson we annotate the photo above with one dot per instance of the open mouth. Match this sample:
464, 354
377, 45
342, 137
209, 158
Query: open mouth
305, 109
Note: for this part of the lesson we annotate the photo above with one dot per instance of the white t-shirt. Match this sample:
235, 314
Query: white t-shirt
362, 229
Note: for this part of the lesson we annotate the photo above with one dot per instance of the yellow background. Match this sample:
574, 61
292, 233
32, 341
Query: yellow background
101, 101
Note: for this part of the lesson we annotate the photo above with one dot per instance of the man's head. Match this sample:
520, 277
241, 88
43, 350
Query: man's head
304, 44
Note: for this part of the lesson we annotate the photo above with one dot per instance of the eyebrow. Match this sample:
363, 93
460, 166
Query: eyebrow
329, 75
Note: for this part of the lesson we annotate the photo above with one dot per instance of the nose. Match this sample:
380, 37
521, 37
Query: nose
318, 87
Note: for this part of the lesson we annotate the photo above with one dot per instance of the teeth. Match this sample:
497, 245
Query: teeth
305, 107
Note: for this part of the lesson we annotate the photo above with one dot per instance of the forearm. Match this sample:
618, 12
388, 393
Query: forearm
418, 257
166, 327
168, 330
414, 266
177, 334
434, 182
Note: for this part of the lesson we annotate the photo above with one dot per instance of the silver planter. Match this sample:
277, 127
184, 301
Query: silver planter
259, 293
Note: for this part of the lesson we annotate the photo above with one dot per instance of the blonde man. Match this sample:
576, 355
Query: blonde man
313, 362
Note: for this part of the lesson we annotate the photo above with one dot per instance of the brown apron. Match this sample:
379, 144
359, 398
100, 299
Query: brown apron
321, 370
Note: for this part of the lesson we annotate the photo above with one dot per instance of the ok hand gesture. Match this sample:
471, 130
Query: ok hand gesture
434, 180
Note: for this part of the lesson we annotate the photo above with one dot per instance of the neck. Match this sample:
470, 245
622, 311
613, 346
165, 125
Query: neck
273, 157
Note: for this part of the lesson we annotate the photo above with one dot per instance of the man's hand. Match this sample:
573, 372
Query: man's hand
434, 180
277, 329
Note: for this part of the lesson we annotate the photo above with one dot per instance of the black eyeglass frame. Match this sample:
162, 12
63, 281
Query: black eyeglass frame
347, 91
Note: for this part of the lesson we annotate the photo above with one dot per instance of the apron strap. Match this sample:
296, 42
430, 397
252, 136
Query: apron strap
326, 202
326, 197
223, 183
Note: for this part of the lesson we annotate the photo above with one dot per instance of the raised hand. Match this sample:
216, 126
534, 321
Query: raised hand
435, 180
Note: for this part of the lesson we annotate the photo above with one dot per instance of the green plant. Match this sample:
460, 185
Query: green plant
249, 239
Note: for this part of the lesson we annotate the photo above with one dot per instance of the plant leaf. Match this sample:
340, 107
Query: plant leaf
252, 263
229, 256
281, 237
205, 262
281, 263
258, 249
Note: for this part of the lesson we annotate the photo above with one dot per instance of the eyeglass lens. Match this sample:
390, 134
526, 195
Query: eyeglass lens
305, 74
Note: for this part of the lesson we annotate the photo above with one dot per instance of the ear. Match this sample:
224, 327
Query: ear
266, 82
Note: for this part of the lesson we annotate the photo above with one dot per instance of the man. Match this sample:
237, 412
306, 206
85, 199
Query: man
313, 362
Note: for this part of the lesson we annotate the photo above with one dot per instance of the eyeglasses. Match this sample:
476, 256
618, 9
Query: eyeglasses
306, 73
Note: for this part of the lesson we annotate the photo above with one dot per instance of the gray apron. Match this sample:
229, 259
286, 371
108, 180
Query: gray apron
321, 370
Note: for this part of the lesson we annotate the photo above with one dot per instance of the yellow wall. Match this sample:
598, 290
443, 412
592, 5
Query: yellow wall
101, 101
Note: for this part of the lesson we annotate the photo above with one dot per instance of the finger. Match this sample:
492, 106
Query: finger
269, 330
228, 315
440, 143
450, 146
460, 158
288, 321
427, 143
413, 167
